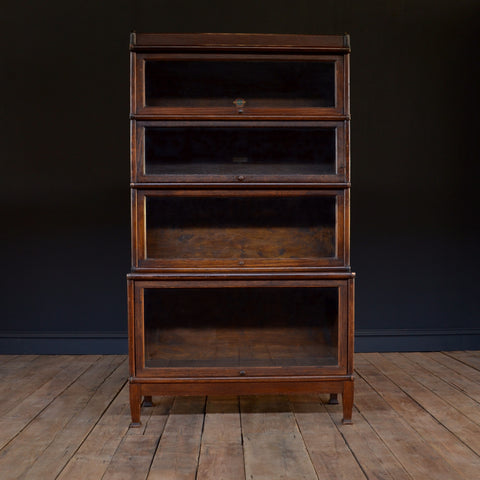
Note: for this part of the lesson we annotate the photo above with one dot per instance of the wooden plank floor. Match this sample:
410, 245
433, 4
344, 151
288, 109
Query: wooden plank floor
416, 417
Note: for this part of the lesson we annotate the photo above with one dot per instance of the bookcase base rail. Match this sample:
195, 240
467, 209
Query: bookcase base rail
144, 388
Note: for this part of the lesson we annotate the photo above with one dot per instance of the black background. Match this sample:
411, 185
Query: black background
65, 162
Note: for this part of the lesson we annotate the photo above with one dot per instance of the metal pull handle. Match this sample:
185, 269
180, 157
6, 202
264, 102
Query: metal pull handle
239, 103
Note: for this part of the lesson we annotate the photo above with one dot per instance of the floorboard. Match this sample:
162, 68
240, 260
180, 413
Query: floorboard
272, 442
372, 454
26, 375
416, 455
18, 417
7, 358
176, 457
133, 457
75, 432
416, 417
221, 454
471, 359
446, 443
460, 416
29, 446
329, 452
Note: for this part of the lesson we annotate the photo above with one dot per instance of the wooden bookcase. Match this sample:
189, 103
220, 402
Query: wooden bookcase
240, 178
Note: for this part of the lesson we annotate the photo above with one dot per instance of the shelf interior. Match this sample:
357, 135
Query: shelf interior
265, 151
241, 327
260, 83
235, 228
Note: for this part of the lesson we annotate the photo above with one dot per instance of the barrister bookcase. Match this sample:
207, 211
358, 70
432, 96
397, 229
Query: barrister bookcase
240, 188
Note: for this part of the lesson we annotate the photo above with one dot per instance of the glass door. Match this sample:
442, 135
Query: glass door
248, 330
232, 229
240, 152
239, 84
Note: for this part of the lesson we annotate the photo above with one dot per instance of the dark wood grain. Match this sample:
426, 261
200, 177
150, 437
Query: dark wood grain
235, 192
239, 42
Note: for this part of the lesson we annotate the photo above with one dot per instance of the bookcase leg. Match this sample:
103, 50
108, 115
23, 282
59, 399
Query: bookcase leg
347, 400
147, 401
333, 400
135, 400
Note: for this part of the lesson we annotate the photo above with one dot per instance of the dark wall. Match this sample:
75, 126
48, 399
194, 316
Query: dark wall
65, 162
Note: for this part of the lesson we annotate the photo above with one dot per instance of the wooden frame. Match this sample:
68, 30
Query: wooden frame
239, 42
165, 264
141, 260
141, 109
253, 380
285, 371
341, 176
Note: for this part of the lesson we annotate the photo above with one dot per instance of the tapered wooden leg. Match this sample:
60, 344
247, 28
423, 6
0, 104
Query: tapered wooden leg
347, 400
135, 400
333, 399
147, 401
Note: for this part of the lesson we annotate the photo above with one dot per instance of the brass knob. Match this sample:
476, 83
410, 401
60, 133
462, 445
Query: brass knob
241, 178
242, 373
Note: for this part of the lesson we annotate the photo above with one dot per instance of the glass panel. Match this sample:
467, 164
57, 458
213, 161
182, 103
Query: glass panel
277, 84
241, 227
241, 327
233, 151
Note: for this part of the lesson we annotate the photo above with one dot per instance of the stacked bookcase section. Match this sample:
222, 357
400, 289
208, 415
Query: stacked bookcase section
240, 179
